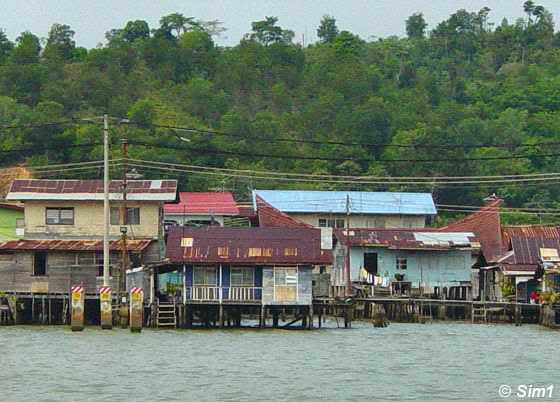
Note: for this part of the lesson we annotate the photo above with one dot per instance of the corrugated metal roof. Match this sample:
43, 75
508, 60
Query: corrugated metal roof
385, 203
139, 190
246, 246
203, 203
72, 245
527, 241
270, 217
486, 225
424, 239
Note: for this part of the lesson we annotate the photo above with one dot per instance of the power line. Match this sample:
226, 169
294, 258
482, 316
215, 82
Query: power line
208, 151
53, 148
429, 179
385, 181
37, 125
342, 143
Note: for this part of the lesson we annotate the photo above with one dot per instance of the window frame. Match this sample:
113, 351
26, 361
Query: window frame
335, 223
401, 263
280, 275
59, 216
205, 282
115, 216
242, 271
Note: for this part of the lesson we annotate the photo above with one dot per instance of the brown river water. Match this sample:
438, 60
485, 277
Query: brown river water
404, 362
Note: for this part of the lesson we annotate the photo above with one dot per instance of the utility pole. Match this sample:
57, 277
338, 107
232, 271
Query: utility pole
348, 248
124, 215
106, 210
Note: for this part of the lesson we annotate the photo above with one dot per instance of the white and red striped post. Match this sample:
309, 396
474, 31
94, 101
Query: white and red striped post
136, 309
78, 308
106, 307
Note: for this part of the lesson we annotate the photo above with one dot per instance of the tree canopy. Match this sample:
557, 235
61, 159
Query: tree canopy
465, 97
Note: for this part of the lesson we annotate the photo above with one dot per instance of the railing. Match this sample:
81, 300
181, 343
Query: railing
243, 293
227, 294
203, 293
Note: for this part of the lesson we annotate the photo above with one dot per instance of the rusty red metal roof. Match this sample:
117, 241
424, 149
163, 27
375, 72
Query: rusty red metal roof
411, 239
486, 225
270, 217
526, 242
142, 190
204, 203
252, 246
71, 245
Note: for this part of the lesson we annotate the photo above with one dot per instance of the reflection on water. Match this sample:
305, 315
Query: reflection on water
404, 362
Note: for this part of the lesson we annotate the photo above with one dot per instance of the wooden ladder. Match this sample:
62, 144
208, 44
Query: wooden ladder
479, 312
166, 315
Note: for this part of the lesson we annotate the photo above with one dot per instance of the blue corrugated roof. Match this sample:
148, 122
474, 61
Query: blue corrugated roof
360, 202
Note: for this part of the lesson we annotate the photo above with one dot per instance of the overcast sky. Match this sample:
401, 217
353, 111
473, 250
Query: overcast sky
368, 18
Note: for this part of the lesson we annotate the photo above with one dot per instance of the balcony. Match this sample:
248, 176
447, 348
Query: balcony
212, 294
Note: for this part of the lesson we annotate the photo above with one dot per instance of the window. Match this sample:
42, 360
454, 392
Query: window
260, 252
290, 252
332, 223
40, 264
285, 284
242, 276
60, 216
223, 252
132, 216
401, 263
204, 276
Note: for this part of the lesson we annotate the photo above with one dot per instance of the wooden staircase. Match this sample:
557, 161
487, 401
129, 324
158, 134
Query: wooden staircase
479, 312
166, 315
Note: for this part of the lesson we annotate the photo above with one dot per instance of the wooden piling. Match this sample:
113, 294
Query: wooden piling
221, 315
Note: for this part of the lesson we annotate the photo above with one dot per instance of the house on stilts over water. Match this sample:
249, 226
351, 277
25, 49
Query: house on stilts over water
229, 273
62, 241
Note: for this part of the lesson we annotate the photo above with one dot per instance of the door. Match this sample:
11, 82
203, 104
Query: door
40, 264
370, 263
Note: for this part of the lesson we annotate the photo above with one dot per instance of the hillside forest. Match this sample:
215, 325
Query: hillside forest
472, 96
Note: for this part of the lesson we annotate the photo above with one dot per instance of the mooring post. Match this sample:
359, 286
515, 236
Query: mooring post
136, 309
106, 307
78, 306
50, 310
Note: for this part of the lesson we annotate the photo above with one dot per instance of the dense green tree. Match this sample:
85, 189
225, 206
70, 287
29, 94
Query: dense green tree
416, 26
426, 105
327, 30
135, 30
267, 32
60, 42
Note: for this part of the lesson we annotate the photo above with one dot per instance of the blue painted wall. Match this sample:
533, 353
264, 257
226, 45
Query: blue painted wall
432, 268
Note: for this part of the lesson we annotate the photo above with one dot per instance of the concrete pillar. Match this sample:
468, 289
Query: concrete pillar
78, 307
105, 305
136, 309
